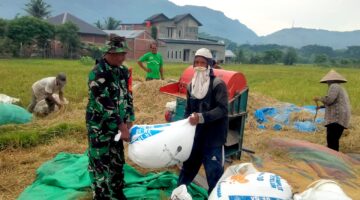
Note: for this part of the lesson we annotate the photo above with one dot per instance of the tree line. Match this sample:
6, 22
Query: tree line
273, 53
28, 36
310, 54
32, 35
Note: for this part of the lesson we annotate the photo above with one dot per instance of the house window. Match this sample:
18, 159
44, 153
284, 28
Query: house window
192, 29
179, 33
214, 54
170, 32
175, 54
172, 54
180, 54
127, 27
168, 54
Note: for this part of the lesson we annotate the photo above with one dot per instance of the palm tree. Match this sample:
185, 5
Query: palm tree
109, 24
38, 9
99, 25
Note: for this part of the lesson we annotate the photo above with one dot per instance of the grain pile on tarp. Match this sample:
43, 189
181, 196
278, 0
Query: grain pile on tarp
256, 101
66, 177
301, 163
291, 116
150, 102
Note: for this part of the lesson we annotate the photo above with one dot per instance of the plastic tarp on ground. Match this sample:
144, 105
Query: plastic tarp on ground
66, 177
13, 114
301, 163
7, 99
278, 117
324, 161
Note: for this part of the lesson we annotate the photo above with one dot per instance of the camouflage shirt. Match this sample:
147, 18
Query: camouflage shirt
109, 96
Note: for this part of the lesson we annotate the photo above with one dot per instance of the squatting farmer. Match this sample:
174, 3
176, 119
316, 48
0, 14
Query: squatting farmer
45, 88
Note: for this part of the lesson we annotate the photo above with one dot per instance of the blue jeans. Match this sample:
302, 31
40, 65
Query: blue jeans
213, 160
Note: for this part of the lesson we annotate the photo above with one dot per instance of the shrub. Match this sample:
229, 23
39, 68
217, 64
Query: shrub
87, 60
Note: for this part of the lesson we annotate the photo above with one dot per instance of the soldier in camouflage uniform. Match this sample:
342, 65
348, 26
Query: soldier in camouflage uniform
110, 109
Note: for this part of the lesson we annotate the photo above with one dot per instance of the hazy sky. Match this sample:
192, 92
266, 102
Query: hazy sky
267, 16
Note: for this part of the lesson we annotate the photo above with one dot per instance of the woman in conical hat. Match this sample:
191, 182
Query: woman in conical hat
337, 108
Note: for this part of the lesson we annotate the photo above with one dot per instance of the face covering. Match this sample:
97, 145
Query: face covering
200, 82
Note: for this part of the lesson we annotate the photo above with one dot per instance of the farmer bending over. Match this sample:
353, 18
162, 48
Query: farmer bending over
45, 88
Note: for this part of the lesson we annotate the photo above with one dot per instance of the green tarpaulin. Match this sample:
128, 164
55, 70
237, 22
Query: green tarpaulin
66, 177
13, 114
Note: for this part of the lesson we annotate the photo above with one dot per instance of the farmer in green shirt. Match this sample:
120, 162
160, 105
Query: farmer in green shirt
154, 63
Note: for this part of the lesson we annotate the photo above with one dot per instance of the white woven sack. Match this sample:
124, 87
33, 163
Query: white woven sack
180, 193
161, 145
7, 99
322, 189
245, 182
41, 108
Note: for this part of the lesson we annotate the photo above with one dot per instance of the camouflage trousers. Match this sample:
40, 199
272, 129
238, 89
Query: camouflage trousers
106, 161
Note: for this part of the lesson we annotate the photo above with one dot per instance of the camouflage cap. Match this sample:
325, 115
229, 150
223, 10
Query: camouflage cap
116, 44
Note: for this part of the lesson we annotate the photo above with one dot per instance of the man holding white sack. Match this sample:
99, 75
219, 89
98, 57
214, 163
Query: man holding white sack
207, 107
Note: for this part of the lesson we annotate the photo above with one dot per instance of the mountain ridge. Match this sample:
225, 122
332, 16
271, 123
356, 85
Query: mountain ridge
214, 22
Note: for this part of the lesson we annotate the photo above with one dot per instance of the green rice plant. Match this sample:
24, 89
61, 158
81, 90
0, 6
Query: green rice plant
294, 84
297, 84
32, 137
87, 60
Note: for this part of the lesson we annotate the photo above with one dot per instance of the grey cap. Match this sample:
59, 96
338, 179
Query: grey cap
61, 77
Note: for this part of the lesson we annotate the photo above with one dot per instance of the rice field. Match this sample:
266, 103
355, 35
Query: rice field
294, 84
298, 84
28, 146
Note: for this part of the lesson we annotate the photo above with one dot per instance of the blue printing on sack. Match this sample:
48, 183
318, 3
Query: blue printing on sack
275, 182
143, 128
237, 197
218, 191
147, 133
260, 177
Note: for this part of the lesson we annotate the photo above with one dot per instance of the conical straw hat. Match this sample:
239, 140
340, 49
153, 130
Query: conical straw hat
332, 75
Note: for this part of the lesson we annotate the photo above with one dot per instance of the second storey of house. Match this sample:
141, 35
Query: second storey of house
180, 27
